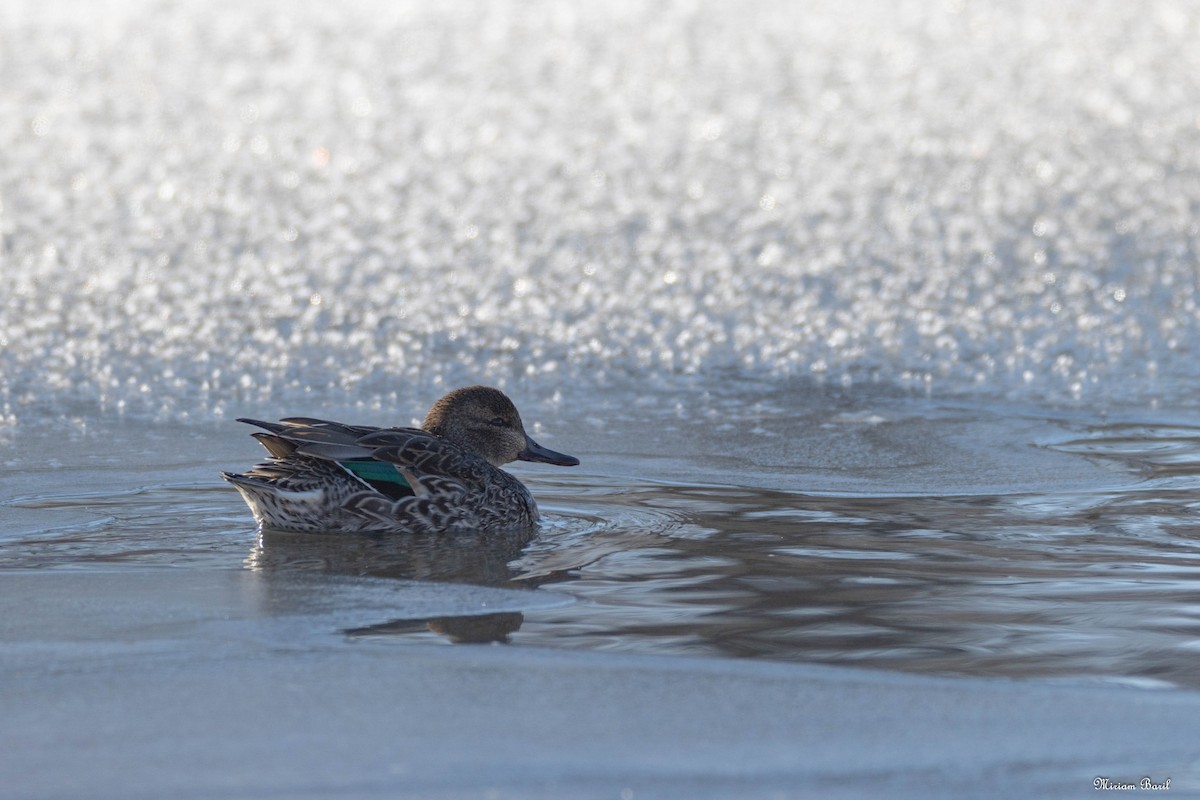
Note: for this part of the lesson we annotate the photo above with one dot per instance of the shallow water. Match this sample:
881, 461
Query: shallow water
874, 324
1090, 574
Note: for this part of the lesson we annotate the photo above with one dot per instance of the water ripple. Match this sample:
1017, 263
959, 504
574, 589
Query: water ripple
1077, 583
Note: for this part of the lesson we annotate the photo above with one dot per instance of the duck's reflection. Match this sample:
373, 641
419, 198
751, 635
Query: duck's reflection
459, 558
479, 559
478, 629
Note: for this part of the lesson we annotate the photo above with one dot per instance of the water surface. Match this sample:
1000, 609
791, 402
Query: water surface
873, 323
1082, 566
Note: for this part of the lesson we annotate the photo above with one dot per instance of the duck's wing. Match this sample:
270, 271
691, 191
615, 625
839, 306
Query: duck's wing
297, 433
396, 462
311, 446
424, 455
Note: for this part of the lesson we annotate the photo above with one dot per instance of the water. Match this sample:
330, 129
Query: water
874, 324
1090, 575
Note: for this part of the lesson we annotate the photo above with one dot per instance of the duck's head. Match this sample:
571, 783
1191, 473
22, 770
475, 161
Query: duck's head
483, 420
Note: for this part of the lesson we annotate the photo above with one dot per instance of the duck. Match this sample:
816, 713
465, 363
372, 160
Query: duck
331, 477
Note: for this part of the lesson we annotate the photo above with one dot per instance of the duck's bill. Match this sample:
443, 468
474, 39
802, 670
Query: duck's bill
535, 452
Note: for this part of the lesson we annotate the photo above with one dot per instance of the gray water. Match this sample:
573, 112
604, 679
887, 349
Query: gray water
965, 540
873, 324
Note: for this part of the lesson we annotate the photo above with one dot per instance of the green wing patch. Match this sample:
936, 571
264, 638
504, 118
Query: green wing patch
376, 472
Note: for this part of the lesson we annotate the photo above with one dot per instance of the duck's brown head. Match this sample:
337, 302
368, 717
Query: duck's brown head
484, 421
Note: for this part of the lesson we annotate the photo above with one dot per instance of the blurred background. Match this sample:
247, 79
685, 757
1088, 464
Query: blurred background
220, 204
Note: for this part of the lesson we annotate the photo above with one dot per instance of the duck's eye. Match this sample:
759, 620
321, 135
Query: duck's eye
499, 422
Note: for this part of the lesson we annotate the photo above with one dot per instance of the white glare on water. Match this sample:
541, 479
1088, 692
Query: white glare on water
202, 203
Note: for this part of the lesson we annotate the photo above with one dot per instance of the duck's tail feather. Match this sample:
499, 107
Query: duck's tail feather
284, 438
276, 445
247, 481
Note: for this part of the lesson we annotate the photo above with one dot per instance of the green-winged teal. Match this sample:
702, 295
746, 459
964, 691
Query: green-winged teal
327, 476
